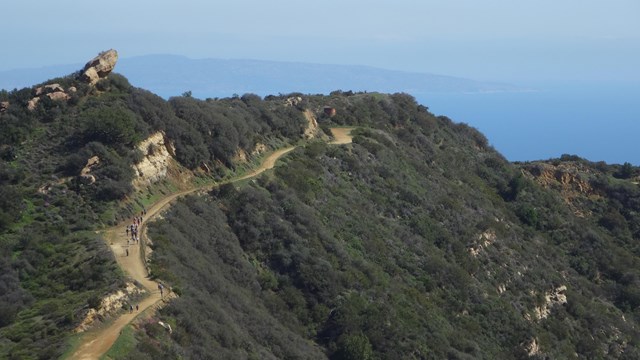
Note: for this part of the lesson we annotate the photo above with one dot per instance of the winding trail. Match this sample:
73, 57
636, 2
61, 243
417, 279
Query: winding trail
97, 342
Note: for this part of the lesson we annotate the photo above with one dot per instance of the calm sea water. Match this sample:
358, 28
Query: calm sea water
596, 122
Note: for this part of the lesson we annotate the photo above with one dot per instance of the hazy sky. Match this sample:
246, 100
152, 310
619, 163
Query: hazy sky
505, 40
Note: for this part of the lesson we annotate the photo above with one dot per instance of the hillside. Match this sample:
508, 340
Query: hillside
68, 150
417, 240
170, 75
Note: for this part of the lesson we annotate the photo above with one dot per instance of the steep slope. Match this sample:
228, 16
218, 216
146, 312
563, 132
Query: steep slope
416, 241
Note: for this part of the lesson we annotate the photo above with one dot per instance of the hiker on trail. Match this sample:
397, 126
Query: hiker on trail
160, 287
127, 230
137, 308
130, 308
127, 251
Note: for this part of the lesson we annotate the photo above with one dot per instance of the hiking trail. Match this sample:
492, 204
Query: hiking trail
96, 342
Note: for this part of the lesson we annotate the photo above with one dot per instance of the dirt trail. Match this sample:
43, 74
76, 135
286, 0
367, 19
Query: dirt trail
342, 136
97, 342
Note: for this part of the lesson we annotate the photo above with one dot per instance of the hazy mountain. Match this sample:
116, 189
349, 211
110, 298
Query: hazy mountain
170, 75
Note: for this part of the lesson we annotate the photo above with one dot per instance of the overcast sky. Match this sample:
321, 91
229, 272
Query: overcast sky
503, 40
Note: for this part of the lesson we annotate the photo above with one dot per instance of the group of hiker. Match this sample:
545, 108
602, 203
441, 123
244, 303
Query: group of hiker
132, 230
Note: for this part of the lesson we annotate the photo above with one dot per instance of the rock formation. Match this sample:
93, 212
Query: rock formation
157, 156
552, 298
31, 105
571, 180
47, 89
110, 304
99, 67
312, 129
4, 105
86, 171
52, 91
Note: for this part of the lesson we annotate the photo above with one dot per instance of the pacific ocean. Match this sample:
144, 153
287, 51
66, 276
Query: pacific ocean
599, 122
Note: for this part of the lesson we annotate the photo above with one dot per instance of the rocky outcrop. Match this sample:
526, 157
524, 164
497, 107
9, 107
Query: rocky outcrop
31, 105
108, 305
47, 89
552, 298
85, 173
54, 92
571, 180
532, 347
58, 96
293, 101
4, 105
312, 129
484, 240
157, 157
241, 156
99, 67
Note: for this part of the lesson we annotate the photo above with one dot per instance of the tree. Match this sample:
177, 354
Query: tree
109, 125
354, 347
625, 171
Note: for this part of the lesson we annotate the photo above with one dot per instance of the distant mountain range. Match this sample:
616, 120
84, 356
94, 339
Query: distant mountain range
170, 75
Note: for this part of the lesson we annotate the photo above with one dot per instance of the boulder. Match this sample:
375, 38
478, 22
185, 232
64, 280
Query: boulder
100, 66
58, 96
31, 105
91, 163
91, 76
47, 89
4, 105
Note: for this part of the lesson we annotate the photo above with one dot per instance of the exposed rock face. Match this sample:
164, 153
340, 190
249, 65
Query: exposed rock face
312, 128
100, 66
484, 240
50, 88
552, 298
31, 105
241, 156
570, 179
532, 348
58, 96
293, 101
86, 171
52, 91
109, 304
259, 149
4, 105
157, 152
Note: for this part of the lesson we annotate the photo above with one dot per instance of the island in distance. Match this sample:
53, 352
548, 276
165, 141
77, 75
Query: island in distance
171, 75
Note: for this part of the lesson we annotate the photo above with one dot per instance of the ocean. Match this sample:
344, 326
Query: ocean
594, 121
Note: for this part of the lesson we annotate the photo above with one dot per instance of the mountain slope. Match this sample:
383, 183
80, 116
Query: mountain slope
417, 241
67, 170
